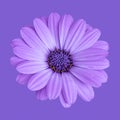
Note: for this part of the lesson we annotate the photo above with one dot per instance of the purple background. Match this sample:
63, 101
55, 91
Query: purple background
17, 102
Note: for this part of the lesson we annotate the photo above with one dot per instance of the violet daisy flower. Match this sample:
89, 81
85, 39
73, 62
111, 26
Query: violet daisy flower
60, 57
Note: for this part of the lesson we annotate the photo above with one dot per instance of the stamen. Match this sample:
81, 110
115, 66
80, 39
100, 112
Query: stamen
60, 61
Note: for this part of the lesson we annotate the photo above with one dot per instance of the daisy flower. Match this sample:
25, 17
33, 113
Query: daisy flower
60, 58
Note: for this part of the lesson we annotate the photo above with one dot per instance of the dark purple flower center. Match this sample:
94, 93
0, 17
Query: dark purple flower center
60, 61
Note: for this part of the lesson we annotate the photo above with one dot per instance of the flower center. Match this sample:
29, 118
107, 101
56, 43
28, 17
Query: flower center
60, 61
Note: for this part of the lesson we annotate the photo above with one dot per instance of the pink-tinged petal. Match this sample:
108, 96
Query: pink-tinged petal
53, 22
44, 33
15, 60
23, 78
104, 74
64, 102
29, 53
90, 54
75, 35
31, 38
89, 77
45, 20
18, 42
54, 86
95, 65
42, 94
85, 91
30, 67
102, 45
89, 40
39, 80
69, 88
64, 25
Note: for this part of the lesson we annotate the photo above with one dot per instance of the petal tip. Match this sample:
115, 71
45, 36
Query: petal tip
24, 29
31, 87
97, 31
36, 20
54, 14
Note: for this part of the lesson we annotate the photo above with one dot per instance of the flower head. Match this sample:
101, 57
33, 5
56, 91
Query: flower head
59, 57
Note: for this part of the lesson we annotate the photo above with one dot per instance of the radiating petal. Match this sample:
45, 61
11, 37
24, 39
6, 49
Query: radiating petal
76, 41
54, 86
90, 54
105, 76
39, 80
75, 35
89, 40
44, 33
85, 91
77, 38
45, 20
53, 22
30, 67
89, 77
95, 65
69, 88
18, 42
23, 78
64, 25
15, 60
63, 102
31, 38
101, 44
42, 94
29, 53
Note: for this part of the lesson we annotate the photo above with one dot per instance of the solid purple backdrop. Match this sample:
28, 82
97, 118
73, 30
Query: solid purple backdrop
17, 102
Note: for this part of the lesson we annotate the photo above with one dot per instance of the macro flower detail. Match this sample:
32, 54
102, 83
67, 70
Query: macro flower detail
60, 58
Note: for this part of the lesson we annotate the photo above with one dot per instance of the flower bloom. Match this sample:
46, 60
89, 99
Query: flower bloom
60, 58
